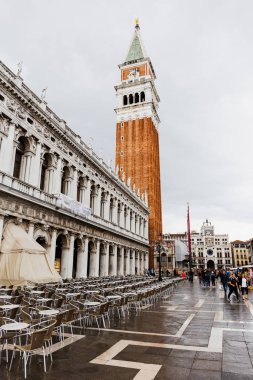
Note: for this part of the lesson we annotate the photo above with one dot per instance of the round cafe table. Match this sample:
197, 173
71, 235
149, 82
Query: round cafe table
9, 306
91, 303
49, 312
15, 326
5, 297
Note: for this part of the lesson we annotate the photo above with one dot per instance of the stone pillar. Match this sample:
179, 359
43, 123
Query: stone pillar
114, 211
137, 225
73, 191
97, 259
82, 260
70, 256
31, 229
8, 149
132, 222
87, 194
133, 262
53, 246
104, 264
128, 219
146, 263
137, 262
58, 177
128, 261
93, 261
115, 269
107, 207
1, 229
141, 263
121, 268
97, 201
121, 218
36, 167
64, 262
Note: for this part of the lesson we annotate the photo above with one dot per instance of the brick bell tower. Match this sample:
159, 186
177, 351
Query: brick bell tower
137, 138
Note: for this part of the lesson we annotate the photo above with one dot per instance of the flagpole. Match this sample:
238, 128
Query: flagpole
189, 237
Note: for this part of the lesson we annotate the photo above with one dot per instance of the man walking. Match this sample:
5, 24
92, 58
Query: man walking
233, 287
224, 280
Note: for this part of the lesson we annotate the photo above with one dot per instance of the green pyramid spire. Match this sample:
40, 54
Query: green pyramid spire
136, 50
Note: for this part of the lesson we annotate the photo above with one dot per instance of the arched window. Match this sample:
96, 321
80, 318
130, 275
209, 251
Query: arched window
44, 177
131, 99
65, 181
142, 96
136, 97
125, 100
20, 150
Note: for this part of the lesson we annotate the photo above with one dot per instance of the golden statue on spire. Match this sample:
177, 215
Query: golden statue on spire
137, 26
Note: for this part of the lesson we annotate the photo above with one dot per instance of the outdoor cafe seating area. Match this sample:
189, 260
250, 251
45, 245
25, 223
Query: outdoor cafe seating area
33, 318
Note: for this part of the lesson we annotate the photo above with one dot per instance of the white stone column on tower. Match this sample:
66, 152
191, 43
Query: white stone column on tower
97, 201
36, 166
128, 261
133, 262
70, 256
31, 229
52, 247
82, 260
1, 229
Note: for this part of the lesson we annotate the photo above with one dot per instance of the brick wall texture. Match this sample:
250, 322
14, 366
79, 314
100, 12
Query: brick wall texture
137, 152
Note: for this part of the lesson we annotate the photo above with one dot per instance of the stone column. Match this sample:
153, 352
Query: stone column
70, 256
82, 260
114, 211
8, 149
107, 207
93, 262
73, 191
137, 262
137, 231
64, 262
128, 261
141, 263
121, 268
58, 177
128, 219
133, 262
36, 167
1, 229
97, 259
27, 167
31, 229
146, 261
121, 218
115, 269
97, 201
87, 194
53, 246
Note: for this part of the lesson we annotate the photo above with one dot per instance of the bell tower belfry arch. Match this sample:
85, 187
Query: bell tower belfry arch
137, 137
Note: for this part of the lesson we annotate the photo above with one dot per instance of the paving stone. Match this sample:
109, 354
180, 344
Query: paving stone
196, 374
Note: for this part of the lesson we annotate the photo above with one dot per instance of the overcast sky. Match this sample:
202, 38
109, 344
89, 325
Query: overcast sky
203, 57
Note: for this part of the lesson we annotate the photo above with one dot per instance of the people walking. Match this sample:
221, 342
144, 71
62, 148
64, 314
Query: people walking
212, 278
233, 287
224, 281
244, 287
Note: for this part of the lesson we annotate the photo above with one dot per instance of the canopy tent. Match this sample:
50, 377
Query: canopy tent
22, 260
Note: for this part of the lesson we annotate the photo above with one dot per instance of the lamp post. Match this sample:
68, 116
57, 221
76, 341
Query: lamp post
159, 252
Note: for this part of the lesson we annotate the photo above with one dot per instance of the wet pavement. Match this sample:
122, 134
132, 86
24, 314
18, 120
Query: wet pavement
193, 334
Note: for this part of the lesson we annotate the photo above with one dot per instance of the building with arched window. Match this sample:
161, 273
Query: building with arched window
55, 187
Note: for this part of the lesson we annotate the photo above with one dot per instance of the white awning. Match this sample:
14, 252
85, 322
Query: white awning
22, 260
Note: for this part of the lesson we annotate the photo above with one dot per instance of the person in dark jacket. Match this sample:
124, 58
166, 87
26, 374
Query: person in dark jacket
224, 280
233, 287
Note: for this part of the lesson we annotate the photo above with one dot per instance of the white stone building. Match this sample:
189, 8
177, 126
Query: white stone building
64, 195
210, 250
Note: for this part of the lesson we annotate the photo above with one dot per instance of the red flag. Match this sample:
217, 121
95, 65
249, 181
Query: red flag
189, 234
